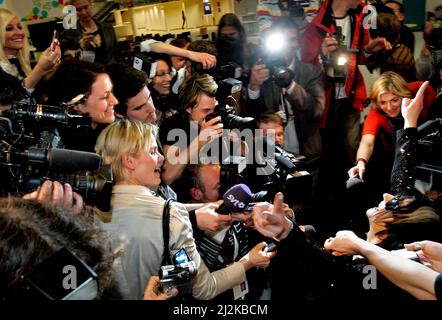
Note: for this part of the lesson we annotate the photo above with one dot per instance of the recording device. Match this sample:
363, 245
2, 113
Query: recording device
54, 42
227, 88
143, 62
24, 113
272, 54
271, 247
178, 275
354, 182
28, 156
335, 64
239, 198
62, 276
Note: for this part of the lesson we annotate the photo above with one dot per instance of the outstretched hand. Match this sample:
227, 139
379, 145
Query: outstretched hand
411, 108
270, 220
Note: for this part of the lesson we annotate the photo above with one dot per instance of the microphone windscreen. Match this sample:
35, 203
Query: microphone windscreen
353, 182
72, 160
238, 197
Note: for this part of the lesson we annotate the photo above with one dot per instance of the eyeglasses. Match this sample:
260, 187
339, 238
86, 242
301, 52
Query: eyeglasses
162, 75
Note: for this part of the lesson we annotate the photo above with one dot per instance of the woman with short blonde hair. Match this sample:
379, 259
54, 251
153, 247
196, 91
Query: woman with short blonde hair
129, 146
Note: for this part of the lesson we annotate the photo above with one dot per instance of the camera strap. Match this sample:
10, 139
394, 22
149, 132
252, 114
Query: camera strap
166, 221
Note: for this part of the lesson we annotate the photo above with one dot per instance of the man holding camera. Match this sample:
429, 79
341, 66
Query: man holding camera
296, 94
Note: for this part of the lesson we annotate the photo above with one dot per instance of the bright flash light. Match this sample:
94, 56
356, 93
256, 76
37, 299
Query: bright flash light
342, 60
275, 42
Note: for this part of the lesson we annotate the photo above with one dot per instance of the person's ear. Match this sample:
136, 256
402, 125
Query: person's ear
189, 110
128, 161
196, 194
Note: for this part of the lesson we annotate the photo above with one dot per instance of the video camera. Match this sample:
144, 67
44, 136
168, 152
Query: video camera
30, 153
336, 62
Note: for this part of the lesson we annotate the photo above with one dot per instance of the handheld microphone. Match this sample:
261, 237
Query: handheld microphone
354, 182
236, 199
64, 159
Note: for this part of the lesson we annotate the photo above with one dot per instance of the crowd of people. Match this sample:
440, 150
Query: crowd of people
163, 131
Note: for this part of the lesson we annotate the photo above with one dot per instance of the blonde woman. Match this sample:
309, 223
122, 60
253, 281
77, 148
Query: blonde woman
131, 149
384, 119
14, 53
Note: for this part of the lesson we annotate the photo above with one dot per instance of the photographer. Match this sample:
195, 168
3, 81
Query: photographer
297, 96
196, 101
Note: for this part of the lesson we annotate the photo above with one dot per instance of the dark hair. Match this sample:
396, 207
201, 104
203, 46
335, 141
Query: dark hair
231, 20
202, 46
72, 77
128, 82
162, 57
30, 232
179, 42
389, 27
400, 5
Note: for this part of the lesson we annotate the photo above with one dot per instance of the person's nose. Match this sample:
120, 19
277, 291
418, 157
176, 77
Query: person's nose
113, 100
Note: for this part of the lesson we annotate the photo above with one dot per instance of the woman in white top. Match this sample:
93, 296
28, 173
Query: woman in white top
130, 147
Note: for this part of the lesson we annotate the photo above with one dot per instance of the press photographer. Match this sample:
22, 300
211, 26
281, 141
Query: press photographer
299, 97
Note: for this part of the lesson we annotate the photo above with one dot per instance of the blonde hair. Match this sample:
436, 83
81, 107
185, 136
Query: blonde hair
388, 82
23, 54
120, 138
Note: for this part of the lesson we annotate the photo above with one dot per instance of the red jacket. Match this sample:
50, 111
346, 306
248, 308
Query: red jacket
311, 42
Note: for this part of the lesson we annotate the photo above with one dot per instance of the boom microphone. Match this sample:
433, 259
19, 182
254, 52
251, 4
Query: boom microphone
63, 159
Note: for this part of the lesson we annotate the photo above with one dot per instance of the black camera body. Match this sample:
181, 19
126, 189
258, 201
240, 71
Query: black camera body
336, 62
30, 154
143, 62
178, 276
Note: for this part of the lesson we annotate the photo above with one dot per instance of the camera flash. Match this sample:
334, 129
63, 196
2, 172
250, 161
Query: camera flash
342, 60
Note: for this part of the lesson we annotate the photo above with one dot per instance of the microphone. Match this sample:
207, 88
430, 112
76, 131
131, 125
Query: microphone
354, 182
236, 199
63, 159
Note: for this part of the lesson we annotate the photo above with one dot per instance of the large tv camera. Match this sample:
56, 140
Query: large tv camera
335, 64
30, 153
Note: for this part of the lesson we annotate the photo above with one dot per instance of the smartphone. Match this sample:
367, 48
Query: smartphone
54, 43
